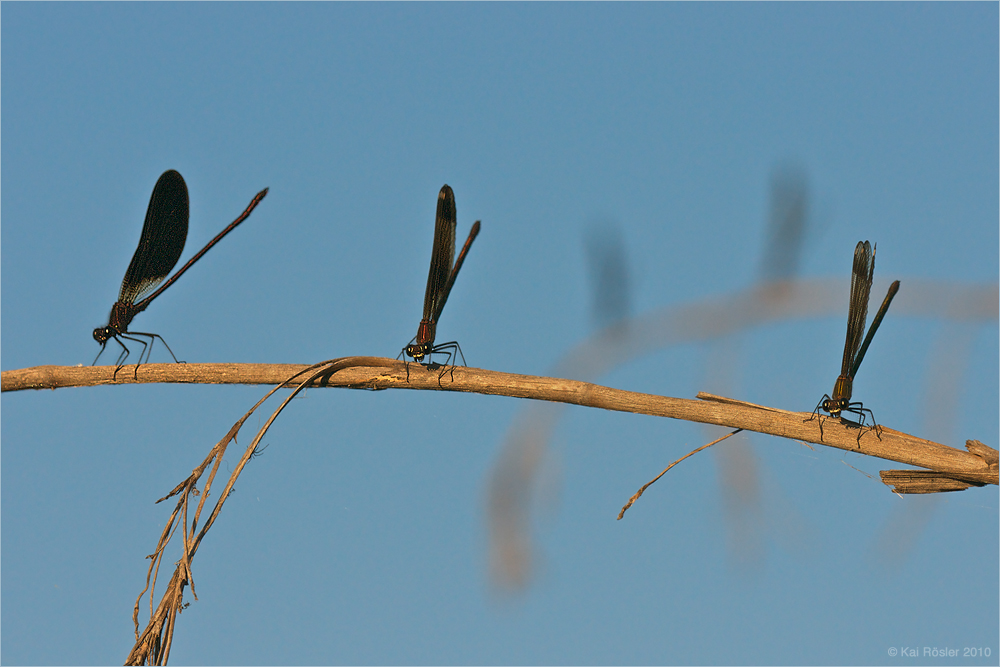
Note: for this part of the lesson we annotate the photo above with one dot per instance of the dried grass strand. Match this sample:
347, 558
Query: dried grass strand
648, 484
153, 645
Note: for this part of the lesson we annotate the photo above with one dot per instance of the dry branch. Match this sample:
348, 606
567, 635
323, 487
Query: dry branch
378, 373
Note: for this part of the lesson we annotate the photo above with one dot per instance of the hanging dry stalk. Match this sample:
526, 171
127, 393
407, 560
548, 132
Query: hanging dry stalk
152, 646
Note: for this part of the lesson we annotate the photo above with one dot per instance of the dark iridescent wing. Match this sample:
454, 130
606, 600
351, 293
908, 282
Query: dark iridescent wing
442, 254
162, 240
139, 307
443, 294
861, 287
876, 321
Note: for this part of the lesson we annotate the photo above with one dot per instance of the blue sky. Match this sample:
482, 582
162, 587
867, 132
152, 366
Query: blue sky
361, 534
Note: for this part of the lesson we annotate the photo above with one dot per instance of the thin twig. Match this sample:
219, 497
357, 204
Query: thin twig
650, 483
